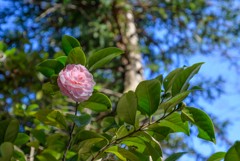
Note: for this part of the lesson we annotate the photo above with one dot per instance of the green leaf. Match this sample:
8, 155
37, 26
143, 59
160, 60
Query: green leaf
174, 101
39, 135
21, 139
73, 158
127, 107
50, 67
182, 81
122, 131
85, 140
103, 57
109, 124
81, 120
217, 156
53, 80
175, 156
68, 43
160, 78
121, 153
202, 121
233, 154
76, 56
34, 144
62, 59
9, 130
51, 117
148, 94
45, 156
18, 156
156, 156
6, 151
170, 78
160, 133
174, 122
49, 89
97, 102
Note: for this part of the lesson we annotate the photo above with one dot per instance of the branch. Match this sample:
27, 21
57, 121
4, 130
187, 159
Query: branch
140, 129
70, 139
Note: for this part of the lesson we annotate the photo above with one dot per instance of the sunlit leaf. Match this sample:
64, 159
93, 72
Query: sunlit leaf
68, 43
9, 130
76, 56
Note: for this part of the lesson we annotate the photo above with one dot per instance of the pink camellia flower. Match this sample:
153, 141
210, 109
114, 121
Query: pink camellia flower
76, 82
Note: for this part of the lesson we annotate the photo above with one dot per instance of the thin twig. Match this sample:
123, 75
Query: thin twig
70, 139
140, 129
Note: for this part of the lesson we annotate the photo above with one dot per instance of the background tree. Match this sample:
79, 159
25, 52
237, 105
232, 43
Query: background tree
151, 33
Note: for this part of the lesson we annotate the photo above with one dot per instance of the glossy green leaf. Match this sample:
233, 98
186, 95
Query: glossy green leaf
170, 78
122, 131
156, 156
68, 43
50, 67
76, 56
175, 156
81, 120
21, 139
159, 132
127, 107
233, 154
182, 81
109, 124
148, 94
6, 151
51, 117
174, 101
103, 57
34, 144
39, 135
201, 120
18, 156
62, 59
122, 153
73, 158
49, 89
174, 122
136, 143
217, 156
97, 102
9, 130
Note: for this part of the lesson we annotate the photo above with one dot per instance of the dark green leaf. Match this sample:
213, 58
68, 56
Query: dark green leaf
156, 156
109, 124
103, 57
159, 132
50, 67
9, 130
121, 153
175, 156
62, 59
6, 151
81, 120
39, 135
21, 139
52, 117
217, 156
49, 89
97, 102
18, 156
182, 81
53, 80
34, 144
202, 121
174, 101
45, 156
127, 107
170, 78
233, 154
73, 158
76, 56
148, 94
68, 43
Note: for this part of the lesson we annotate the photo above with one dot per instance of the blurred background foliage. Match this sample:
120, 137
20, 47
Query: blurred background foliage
161, 33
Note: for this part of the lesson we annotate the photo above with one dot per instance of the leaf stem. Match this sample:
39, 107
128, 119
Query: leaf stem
70, 139
140, 129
